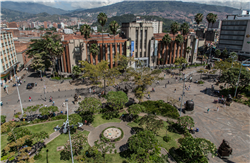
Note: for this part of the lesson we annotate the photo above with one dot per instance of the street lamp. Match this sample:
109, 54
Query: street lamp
67, 128
184, 78
43, 85
239, 77
18, 91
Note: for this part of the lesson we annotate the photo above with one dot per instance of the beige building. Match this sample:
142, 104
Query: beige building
8, 55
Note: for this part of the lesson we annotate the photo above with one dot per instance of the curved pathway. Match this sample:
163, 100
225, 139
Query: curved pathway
120, 145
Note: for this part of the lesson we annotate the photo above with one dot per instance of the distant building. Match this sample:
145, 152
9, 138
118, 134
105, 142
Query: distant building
21, 48
55, 25
8, 56
45, 25
62, 25
68, 31
157, 25
94, 28
235, 34
59, 25
12, 25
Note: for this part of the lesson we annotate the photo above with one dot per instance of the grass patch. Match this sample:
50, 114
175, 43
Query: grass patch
4, 141
48, 127
115, 158
53, 154
59, 78
98, 120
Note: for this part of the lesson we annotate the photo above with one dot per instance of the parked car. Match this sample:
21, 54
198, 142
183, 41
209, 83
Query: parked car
30, 85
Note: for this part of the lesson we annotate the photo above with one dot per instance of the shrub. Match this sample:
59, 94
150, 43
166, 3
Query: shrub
109, 114
3, 118
200, 82
37, 156
65, 155
161, 108
166, 138
4, 157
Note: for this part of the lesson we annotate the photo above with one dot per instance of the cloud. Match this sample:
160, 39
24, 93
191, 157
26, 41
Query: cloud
244, 4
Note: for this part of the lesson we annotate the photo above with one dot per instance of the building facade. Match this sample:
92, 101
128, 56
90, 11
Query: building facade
8, 55
77, 48
235, 34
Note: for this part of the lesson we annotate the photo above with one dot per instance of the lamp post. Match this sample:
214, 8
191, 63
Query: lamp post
66, 125
184, 78
239, 77
18, 91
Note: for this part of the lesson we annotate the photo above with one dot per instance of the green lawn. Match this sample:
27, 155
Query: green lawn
98, 120
4, 141
53, 154
48, 127
115, 158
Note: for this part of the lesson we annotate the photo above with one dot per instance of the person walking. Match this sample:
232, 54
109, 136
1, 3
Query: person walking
29, 99
89, 90
179, 98
217, 109
53, 104
174, 90
24, 80
50, 98
148, 96
166, 85
208, 110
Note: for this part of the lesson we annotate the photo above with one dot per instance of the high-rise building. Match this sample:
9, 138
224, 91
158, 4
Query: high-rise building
8, 55
55, 25
235, 34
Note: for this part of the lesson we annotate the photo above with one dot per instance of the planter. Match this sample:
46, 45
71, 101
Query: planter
109, 133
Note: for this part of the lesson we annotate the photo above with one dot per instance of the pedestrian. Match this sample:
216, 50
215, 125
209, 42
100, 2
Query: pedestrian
89, 90
207, 110
174, 90
24, 80
85, 122
166, 85
61, 112
217, 109
50, 99
45, 105
224, 105
164, 75
99, 95
179, 98
29, 99
168, 82
183, 93
148, 96
53, 104
158, 82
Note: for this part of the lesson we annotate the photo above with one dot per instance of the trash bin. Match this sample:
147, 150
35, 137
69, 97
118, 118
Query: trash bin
197, 129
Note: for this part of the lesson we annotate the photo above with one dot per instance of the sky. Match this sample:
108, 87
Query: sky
86, 4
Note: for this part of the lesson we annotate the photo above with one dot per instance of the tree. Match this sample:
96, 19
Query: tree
180, 62
136, 109
214, 19
94, 50
186, 121
3, 118
39, 137
32, 109
188, 50
74, 119
18, 133
142, 145
113, 26
198, 18
90, 71
116, 100
85, 30
195, 150
184, 28
76, 70
217, 53
142, 77
230, 76
78, 141
151, 123
179, 40
234, 56
102, 19
209, 18
90, 104
166, 40
48, 111
224, 53
174, 28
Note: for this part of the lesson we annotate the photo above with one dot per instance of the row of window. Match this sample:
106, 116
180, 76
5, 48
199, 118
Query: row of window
234, 23
141, 37
7, 65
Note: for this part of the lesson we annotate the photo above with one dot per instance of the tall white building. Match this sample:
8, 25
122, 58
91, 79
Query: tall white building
157, 25
8, 55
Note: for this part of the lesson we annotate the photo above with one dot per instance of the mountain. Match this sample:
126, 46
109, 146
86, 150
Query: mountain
175, 10
32, 8
130, 17
12, 15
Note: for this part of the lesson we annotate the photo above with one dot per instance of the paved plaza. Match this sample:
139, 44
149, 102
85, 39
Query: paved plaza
230, 123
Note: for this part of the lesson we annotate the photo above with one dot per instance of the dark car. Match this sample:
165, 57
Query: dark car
30, 85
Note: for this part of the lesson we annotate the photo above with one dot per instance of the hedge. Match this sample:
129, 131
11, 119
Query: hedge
108, 140
161, 108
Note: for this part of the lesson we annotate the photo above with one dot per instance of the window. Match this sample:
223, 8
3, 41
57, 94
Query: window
108, 53
140, 54
141, 39
117, 48
136, 39
2, 60
122, 49
77, 49
103, 52
5, 58
3, 67
144, 54
145, 39
99, 54
113, 48
136, 55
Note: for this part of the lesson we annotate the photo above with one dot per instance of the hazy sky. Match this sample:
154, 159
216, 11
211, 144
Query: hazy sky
75, 4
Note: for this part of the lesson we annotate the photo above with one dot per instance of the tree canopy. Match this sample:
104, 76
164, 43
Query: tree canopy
90, 104
151, 123
116, 100
186, 121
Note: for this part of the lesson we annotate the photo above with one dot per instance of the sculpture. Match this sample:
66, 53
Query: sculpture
225, 150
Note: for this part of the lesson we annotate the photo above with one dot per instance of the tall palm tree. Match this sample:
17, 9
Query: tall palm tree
166, 40
209, 18
94, 50
102, 19
85, 31
198, 18
188, 50
184, 28
179, 40
174, 30
113, 26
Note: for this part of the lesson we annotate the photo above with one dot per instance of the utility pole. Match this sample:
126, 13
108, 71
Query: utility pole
18, 91
182, 92
66, 125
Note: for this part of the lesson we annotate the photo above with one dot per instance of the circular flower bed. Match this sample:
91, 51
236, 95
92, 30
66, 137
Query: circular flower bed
111, 134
